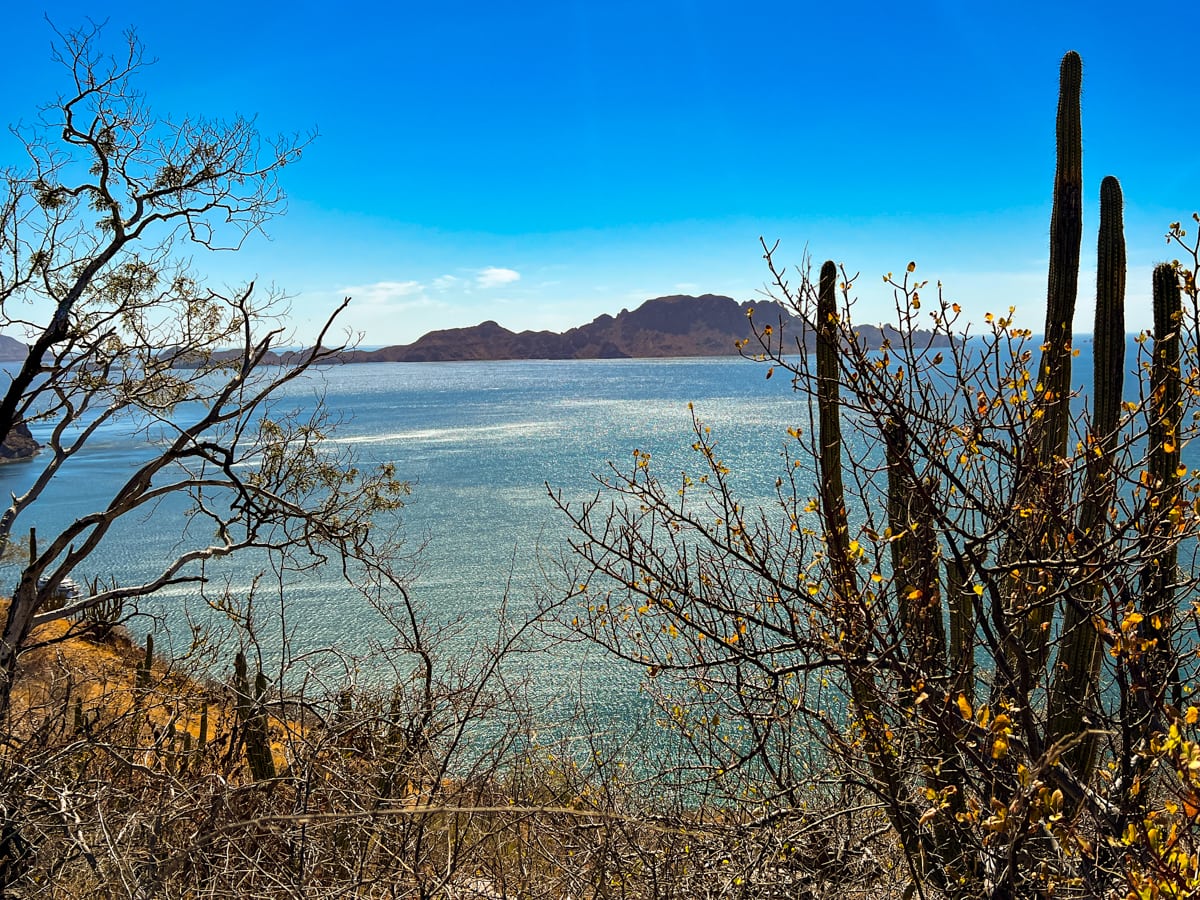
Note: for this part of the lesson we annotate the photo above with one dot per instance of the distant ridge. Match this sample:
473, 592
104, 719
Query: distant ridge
12, 350
674, 326
678, 325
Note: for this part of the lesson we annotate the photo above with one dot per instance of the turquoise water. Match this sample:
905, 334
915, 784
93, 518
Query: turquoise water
479, 442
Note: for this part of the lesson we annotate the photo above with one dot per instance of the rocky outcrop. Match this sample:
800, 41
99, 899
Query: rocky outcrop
19, 444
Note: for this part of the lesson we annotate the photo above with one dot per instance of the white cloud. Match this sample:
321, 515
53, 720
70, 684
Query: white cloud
494, 277
382, 293
446, 282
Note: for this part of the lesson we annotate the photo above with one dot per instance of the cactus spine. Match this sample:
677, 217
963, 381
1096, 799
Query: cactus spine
1078, 668
253, 720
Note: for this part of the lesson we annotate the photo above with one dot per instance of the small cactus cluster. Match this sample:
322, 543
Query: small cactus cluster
253, 719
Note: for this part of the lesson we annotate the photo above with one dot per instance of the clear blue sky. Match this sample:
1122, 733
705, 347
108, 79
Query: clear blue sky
542, 163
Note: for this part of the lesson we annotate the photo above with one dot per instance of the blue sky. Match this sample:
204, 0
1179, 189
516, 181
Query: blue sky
542, 163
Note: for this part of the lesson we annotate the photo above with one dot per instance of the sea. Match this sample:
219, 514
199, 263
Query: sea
483, 445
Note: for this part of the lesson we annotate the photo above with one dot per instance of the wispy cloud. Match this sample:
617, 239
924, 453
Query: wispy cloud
494, 277
437, 292
383, 293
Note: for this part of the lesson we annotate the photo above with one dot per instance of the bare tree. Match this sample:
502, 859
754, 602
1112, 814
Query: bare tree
119, 329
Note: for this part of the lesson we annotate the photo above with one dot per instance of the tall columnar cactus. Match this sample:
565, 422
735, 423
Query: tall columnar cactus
1160, 575
1066, 234
1041, 493
914, 556
845, 587
253, 720
1109, 332
1076, 680
833, 496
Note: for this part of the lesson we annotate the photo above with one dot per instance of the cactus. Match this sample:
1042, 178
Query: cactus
1066, 234
141, 681
914, 556
79, 723
845, 589
1074, 690
1109, 332
960, 598
100, 618
253, 720
1042, 490
185, 758
202, 738
1160, 575
833, 498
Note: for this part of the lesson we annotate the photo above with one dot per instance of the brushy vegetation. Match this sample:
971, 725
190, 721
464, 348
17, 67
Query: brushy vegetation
131, 781
977, 591
956, 658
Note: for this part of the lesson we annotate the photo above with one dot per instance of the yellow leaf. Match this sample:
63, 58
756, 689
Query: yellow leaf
964, 706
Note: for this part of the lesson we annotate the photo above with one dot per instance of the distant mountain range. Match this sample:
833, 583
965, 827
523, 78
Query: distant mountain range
12, 350
679, 325
667, 326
